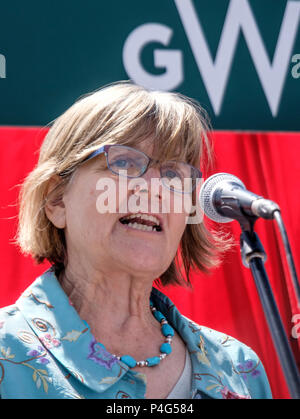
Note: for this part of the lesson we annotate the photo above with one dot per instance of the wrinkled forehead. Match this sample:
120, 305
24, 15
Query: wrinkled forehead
152, 147
159, 150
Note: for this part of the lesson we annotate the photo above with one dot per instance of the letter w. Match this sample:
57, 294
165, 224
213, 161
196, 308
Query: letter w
240, 17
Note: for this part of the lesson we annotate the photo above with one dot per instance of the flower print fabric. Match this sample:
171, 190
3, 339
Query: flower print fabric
53, 353
38, 355
100, 355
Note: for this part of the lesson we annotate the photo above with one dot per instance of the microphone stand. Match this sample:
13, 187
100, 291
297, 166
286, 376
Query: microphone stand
253, 257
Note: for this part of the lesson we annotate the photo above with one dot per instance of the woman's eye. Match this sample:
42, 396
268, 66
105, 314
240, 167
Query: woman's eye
121, 163
171, 174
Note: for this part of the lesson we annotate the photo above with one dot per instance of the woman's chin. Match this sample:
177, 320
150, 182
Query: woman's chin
143, 263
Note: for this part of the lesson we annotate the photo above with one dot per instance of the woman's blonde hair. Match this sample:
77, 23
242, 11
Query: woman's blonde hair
121, 113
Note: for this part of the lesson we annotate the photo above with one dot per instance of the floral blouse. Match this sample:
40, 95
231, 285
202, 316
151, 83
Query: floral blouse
48, 351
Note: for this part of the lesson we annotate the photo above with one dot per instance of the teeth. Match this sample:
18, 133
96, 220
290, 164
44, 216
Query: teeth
141, 227
145, 217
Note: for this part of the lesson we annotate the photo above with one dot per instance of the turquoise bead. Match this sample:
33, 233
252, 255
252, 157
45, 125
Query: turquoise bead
128, 360
159, 316
167, 330
165, 348
153, 361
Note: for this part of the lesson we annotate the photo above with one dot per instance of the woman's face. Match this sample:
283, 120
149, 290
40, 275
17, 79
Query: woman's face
100, 239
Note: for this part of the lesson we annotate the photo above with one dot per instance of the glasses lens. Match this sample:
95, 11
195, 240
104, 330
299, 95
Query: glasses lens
121, 158
179, 176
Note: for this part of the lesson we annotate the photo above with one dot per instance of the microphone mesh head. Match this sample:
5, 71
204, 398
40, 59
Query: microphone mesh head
206, 195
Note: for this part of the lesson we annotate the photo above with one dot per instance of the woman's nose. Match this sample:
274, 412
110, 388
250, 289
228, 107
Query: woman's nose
149, 187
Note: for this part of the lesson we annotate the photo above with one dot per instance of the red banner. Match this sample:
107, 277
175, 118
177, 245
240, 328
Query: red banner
225, 300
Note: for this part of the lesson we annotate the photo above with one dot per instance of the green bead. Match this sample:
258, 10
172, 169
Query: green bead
153, 361
128, 360
167, 330
165, 348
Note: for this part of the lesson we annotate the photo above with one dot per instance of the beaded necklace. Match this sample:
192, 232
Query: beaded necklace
165, 348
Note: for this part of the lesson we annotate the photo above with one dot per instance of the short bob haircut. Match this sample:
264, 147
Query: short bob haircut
121, 113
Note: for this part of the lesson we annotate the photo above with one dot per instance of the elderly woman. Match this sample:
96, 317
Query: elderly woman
93, 326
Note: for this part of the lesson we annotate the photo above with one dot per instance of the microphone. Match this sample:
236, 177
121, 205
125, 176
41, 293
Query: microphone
223, 198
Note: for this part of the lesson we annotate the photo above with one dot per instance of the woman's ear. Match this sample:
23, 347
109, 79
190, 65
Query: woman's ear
55, 207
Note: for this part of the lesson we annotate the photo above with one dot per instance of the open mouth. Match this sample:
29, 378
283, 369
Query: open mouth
144, 222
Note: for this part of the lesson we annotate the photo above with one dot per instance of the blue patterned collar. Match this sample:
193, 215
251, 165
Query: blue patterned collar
67, 337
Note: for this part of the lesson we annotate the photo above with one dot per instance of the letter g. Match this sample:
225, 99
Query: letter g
169, 59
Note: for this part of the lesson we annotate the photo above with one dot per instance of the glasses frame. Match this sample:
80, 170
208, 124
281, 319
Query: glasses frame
104, 149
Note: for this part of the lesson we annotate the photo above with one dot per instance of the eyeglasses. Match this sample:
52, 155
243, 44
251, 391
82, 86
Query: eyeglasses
175, 175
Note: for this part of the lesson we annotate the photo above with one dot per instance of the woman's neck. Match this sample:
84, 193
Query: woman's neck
118, 303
